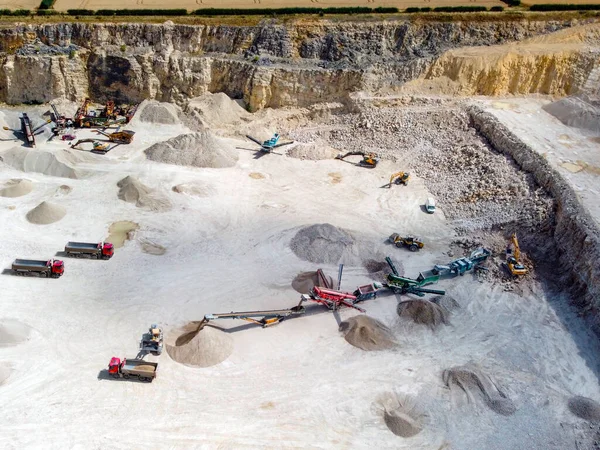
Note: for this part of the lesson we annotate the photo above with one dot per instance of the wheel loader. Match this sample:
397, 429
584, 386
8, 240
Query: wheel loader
413, 243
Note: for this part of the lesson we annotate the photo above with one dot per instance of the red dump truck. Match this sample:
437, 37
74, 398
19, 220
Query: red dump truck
104, 250
46, 268
143, 370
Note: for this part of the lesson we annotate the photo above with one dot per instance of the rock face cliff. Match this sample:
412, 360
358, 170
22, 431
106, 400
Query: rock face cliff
266, 65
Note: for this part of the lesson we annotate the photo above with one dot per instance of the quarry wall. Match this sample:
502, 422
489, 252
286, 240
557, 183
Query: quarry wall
576, 235
272, 64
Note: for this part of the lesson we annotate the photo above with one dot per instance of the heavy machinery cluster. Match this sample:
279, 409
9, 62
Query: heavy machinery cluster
107, 117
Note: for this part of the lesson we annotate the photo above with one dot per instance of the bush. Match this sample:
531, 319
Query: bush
46, 12
151, 12
564, 7
46, 4
105, 12
21, 12
123, 48
5, 12
80, 12
496, 8
72, 54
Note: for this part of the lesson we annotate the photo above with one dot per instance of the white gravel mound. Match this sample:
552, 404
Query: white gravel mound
215, 110
16, 188
134, 191
46, 213
202, 149
151, 111
55, 164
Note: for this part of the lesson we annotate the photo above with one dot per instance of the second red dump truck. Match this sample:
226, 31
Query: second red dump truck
45, 268
104, 250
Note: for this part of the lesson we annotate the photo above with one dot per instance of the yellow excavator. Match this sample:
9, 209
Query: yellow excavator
513, 258
368, 160
399, 178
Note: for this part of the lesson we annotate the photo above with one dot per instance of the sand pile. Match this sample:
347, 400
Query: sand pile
16, 188
215, 110
46, 213
575, 112
156, 112
401, 414
305, 281
203, 348
202, 149
57, 164
585, 408
13, 332
121, 231
423, 312
367, 333
322, 243
470, 380
195, 189
315, 151
134, 191
152, 248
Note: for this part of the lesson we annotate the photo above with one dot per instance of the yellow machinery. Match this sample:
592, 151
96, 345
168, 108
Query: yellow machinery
119, 137
399, 178
513, 258
368, 160
413, 243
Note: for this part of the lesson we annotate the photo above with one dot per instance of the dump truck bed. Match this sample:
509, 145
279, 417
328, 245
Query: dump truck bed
82, 247
29, 264
137, 366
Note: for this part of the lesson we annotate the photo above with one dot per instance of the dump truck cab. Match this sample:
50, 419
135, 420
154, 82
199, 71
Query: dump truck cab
58, 267
108, 250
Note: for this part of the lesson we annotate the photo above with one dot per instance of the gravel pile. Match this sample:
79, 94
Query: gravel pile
16, 188
134, 191
469, 380
585, 408
200, 348
157, 112
322, 243
367, 333
423, 312
46, 213
473, 184
202, 149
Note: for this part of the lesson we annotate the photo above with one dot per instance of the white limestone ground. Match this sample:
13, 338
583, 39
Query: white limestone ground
298, 384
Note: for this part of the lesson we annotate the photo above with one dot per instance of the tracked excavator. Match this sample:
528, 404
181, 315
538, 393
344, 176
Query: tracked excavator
119, 137
368, 160
513, 258
399, 178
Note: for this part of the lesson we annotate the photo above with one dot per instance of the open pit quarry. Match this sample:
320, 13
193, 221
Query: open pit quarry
496, 120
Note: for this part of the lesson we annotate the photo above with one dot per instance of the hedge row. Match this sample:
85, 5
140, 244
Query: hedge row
284, 11
548, 7
512, 2
225, 12
454, 9
16, 12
